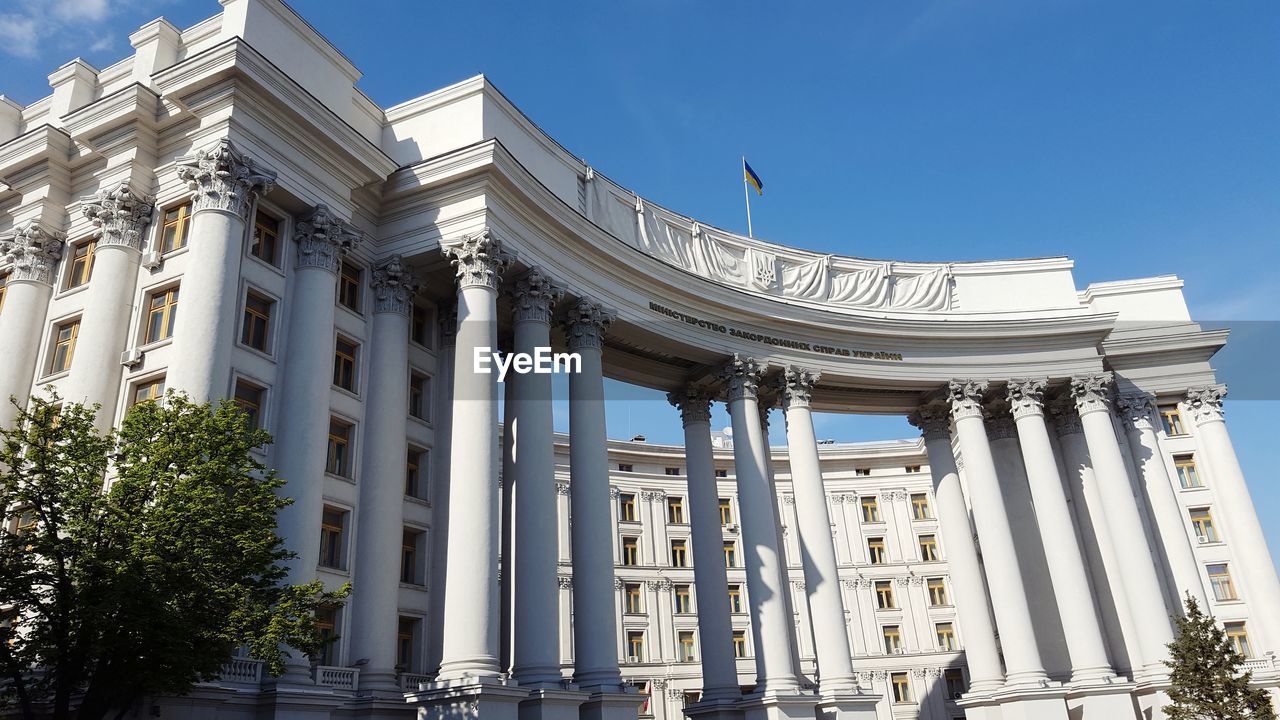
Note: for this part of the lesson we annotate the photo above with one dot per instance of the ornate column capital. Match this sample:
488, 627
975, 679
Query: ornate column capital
478, 260
1066, 419
741, 376
585, 324
934, 421
323, 239
966, 398
1000, 424
1092, 393
1026, 396
394, 286
1137, 409
796, 386
120, 215
693, 403
33, 250
223, 178
1205, 403
535, 294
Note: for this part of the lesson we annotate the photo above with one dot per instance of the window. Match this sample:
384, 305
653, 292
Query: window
901, 687
635, 646
1220, 579
349, 287
740, 643
946, 634
726, 511
333, 529
928, 548
81, 266
420, 326
415, 473
730, 553
407, 644
735, 599
884, 595
1202, 522
1239, 638
920, 507
257, 321
4, 283
672, 471
419, 395
64, 346
892, 639
937, 592
162, 311
176, 226
1188, 477
684, 599
911, 469
627, 507
147, 390
338, 461
862, 472
410, 548
326, 625
875, 550
956, 686
23, 521
344, 363
626, 467
722, 473
630, 551
249, 397
633, 598
679, 554
685, 641
265, 242
675, 511
870, 510
1171, 420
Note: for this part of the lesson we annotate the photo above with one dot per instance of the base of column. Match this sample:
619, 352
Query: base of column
847, 706
383, 707
381, 682
1018, 702
722, 709
468, 699
1151, 697
1103, 701
552, 704
610, 706
776, 706
298, 703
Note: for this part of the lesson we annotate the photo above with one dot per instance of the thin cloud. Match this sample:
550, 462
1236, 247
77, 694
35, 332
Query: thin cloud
33, 27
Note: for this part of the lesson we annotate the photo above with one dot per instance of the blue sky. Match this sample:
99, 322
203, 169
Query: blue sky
1138, 138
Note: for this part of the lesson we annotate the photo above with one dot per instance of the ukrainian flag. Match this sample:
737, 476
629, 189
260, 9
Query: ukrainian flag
750, 176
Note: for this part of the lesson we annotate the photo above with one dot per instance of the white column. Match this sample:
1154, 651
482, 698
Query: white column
375, 598
719, 673
121, 217
1092, 394
594, 602
817, 552
1236, 515
536, 646
771, 624
224, 183
1008, 593
439, 490
32, 252
470, 648
1066, 565
1136, 414
971, 602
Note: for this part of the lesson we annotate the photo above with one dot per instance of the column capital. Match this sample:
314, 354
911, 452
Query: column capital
1205, 403
1066, 419
1000, 425
796, 386
33, 250
693, 403
478, 259
223, 178
966, 398
934, 421
1026, 396
1136, 409
323, 239
120, 215
394, 286
765, 401
535, 294
741, 376
585, 324
1092, 393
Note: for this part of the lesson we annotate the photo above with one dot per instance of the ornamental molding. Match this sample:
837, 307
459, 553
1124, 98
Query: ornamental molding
797, 584
653, 495
1205, 403
33, 251
614, 492
1092, 393
660, 585
120, 215
225, 179
693, 403
902, 581
889, 496
565, 582
966, 398
788, 499
848, 583
741, 377
1026, 396
795, 386
1066, 419
1136, 409
618, 583
562, 488
1000, 426
478, 259
394, 286
585, 324
324, 239
534, 294
933, 420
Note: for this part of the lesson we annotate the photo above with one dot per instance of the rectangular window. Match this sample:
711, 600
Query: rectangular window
675, 511
1171, 420
920, 507
177, 224
419, 395
630, 551
911, 469
626, 467
64, 346
740, 643
627, 507
722, 473
875, 551
81, 266
679, 554
265, 242
892, 639
870, 509
333, 530
884, 595
415, 473
937, 592
1239, 638
634, 601
929, 548
635, 646
946, 634
730, 553
901, 687
862, 472
338, 461
672, 471
956, 686
147, 390
726, 511
23, 521
326, 625
685, 641
409, 553
349, 287
344, 363
249, 397
735, 599
683, 599
1202, 522
420, 326
1220, 580
407, 644
257, 321
162, 311
1188, 477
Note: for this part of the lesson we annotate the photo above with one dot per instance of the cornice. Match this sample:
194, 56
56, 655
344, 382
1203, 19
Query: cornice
134, 103
40, 143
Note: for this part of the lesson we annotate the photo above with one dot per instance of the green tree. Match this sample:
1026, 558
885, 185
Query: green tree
144, 584
1206, 670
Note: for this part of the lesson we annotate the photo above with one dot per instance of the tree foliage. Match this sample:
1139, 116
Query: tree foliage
1206, 670
137, 561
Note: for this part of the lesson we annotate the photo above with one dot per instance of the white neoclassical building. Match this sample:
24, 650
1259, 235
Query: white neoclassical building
223, 212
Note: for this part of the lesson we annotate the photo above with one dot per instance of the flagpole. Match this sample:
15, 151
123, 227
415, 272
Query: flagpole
746, 194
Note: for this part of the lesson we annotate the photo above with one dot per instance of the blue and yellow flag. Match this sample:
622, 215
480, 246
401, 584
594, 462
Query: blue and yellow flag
750, 176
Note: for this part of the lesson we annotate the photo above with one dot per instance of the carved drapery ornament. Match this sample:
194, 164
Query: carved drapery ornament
585, 324
1137, 409
534, 295
1026, 396
223, 178
478, 260
33, 251
693, 403
741, 377
796, 386
323, 239
120, 215
1205, 403
934, 421
394, 286
1092, 393
966, 398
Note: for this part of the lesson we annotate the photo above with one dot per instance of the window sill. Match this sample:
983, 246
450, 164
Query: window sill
264, 263
418, 501
334, 570
52, 377
67, 292
354, 394
413, 586
343, 478
264, 354
420, 420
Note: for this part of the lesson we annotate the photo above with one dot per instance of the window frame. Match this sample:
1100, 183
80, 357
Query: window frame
627, 507
675, 511
1200, 523
341, 534
680, 551
257, 413
351, 364
344, 468
921, 508
1184, 466
172, 295
277, 232
1171, 423
952, 644
630, 553
929, 551
55, 343
1224, 577
880, 558
869, 505
183, 224
419, 459
79, 270
268, 333
345, 285
150, 381
886, 600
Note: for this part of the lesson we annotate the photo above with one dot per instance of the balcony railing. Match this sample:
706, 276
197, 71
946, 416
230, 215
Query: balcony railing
341, 678
242, 671
409, 681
